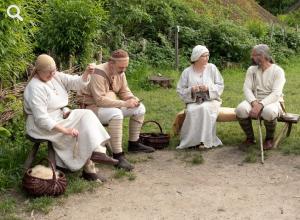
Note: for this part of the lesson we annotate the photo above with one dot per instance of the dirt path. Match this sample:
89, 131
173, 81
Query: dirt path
168, 188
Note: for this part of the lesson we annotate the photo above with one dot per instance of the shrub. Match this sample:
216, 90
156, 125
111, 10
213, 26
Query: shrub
15, 43
229, 42
257, 28
70, 28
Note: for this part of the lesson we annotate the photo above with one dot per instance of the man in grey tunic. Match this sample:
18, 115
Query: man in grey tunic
263, 92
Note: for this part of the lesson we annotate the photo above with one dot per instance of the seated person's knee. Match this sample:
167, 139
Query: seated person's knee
241, 111
117, 114
269, 114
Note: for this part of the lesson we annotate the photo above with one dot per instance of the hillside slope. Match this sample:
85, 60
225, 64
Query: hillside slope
238, 10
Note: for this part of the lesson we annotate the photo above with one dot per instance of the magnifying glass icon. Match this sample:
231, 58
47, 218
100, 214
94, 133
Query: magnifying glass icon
16, 15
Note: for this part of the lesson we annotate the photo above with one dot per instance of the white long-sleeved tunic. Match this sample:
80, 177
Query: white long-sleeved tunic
269, 84
200, 121
43, 102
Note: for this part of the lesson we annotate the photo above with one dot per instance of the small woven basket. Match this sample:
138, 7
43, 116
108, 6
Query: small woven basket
155, 140
42, 187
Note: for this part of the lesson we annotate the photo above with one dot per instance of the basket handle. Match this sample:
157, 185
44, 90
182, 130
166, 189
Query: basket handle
155, 122
52, 167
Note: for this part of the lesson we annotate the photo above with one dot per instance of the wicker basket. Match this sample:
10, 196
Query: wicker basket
41, 187
155, 140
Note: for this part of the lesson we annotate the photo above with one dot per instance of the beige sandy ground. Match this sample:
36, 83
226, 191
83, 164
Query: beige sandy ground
168, 188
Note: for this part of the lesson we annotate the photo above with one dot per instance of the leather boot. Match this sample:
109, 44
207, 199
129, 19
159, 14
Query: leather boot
268, 144
246, 144
123, 162
136, 146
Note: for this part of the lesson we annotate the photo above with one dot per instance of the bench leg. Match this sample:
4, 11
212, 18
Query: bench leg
31, 156
281, 135
289, 129
51, 154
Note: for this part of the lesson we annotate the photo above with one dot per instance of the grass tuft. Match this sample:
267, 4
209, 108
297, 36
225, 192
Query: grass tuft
41, 204
121, 173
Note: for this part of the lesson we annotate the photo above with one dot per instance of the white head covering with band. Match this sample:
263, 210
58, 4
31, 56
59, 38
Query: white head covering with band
197, 52
43, 62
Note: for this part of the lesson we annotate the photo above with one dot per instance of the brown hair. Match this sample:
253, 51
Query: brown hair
118, 55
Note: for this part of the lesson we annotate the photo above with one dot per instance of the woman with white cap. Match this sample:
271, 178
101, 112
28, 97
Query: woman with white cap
200, 87
77, 138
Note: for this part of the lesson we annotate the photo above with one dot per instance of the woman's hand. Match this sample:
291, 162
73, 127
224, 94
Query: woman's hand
203, 88
199, 88
195, 89
67, 131
71, 131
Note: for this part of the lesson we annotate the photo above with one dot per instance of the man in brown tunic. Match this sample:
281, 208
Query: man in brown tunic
110, 98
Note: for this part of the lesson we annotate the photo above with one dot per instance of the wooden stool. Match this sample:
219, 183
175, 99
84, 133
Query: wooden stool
35, 148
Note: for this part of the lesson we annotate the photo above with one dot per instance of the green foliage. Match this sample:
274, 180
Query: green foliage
13, 153
4, 132
257, 28
69, 28
292, 19
15, 41
229, 42
276, 6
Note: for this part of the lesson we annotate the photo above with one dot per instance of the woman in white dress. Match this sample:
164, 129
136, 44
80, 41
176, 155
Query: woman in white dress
77, 139
200, 87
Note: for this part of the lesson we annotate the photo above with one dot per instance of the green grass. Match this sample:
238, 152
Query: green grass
121, 173
78, 185
191, 157
42, 204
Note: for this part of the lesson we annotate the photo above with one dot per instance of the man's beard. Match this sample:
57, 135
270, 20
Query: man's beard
255, 62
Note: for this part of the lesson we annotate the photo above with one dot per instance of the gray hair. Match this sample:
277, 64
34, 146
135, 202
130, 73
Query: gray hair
265, 51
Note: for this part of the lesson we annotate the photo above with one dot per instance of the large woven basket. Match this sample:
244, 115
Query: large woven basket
155, 140
42, 187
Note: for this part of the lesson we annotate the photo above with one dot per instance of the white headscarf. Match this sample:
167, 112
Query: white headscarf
197, 52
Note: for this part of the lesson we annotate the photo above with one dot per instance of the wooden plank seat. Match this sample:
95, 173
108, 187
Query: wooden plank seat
227, 114
32, 154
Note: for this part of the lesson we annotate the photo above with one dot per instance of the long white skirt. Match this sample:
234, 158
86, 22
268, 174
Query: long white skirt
200, 125
91, 135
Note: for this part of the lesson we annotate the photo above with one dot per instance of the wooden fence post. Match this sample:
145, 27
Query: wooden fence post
176, 48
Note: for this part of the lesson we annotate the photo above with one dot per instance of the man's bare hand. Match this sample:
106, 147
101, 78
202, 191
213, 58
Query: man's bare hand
132, 103
256, 109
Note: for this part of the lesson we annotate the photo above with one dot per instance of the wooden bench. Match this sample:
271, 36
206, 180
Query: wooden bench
227, 114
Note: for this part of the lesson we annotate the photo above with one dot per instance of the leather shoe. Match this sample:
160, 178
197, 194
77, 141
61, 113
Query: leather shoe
123, 162
93, 177
246, 144
136, 146
98, 157
268, 144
